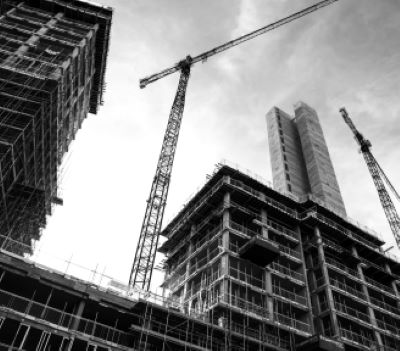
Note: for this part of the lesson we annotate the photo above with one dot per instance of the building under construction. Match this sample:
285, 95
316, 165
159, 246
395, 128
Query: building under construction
52, 64
247, 268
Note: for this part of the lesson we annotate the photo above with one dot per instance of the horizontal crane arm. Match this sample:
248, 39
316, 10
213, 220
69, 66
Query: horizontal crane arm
204, 56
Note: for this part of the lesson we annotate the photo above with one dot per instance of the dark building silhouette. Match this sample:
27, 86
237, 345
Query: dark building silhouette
52, 65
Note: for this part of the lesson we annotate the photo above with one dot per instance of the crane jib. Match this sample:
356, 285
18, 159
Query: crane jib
204, 56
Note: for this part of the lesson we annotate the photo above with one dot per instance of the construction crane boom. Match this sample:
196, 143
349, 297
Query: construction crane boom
142, 268
205, 55
379, 178
143, 264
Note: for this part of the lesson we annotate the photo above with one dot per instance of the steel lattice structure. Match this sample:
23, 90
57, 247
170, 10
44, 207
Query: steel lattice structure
142, 268
379, 178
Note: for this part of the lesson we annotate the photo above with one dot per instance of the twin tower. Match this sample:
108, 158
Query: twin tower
300, 160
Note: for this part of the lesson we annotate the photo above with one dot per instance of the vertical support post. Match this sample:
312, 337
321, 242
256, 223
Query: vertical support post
368, 300
267, 274
78, 314
328, 291
225, 245
307, 288
187, 268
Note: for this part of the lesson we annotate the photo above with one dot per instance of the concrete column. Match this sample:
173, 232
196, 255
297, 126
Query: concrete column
267, 272
225, 214
307, 289
224, 261
190, 251
78, 314
368, 300
225, 272
328, 291
393, 283
264, 218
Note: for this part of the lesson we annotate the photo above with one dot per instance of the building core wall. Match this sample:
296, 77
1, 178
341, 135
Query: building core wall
289, 171
321, 174
300, 159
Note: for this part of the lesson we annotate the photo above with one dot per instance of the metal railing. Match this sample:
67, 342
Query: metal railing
278, 290
287, 271
381, 287
341, 307
199, 264
241, 303
243, 229
341, 229
346, 288
206, 240
385, 306
388, 327
292, 322
282, 229
342, 267
260, 335
358, 338
86, 326
333, 245
261, 196
190, 211
246, 278
291, 252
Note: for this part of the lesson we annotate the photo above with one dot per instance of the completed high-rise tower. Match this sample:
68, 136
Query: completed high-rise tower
300, 159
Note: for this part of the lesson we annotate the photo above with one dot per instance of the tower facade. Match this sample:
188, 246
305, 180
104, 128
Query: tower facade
52, 66
300, 158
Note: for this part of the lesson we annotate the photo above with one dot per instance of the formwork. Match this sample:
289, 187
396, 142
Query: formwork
52, 64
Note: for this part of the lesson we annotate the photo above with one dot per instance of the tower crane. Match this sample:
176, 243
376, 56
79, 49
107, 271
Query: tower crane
379, 177
142, 268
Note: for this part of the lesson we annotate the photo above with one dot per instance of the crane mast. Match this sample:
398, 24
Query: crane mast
379, 178
142, 268
141, 272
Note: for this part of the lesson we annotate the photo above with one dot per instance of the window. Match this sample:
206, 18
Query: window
283, 148
287, 177
289, 187
286, 167
284, 158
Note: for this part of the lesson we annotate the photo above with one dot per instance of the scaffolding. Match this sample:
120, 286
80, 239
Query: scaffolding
52, 62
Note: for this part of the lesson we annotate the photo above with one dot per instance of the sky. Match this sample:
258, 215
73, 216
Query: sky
346, 54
